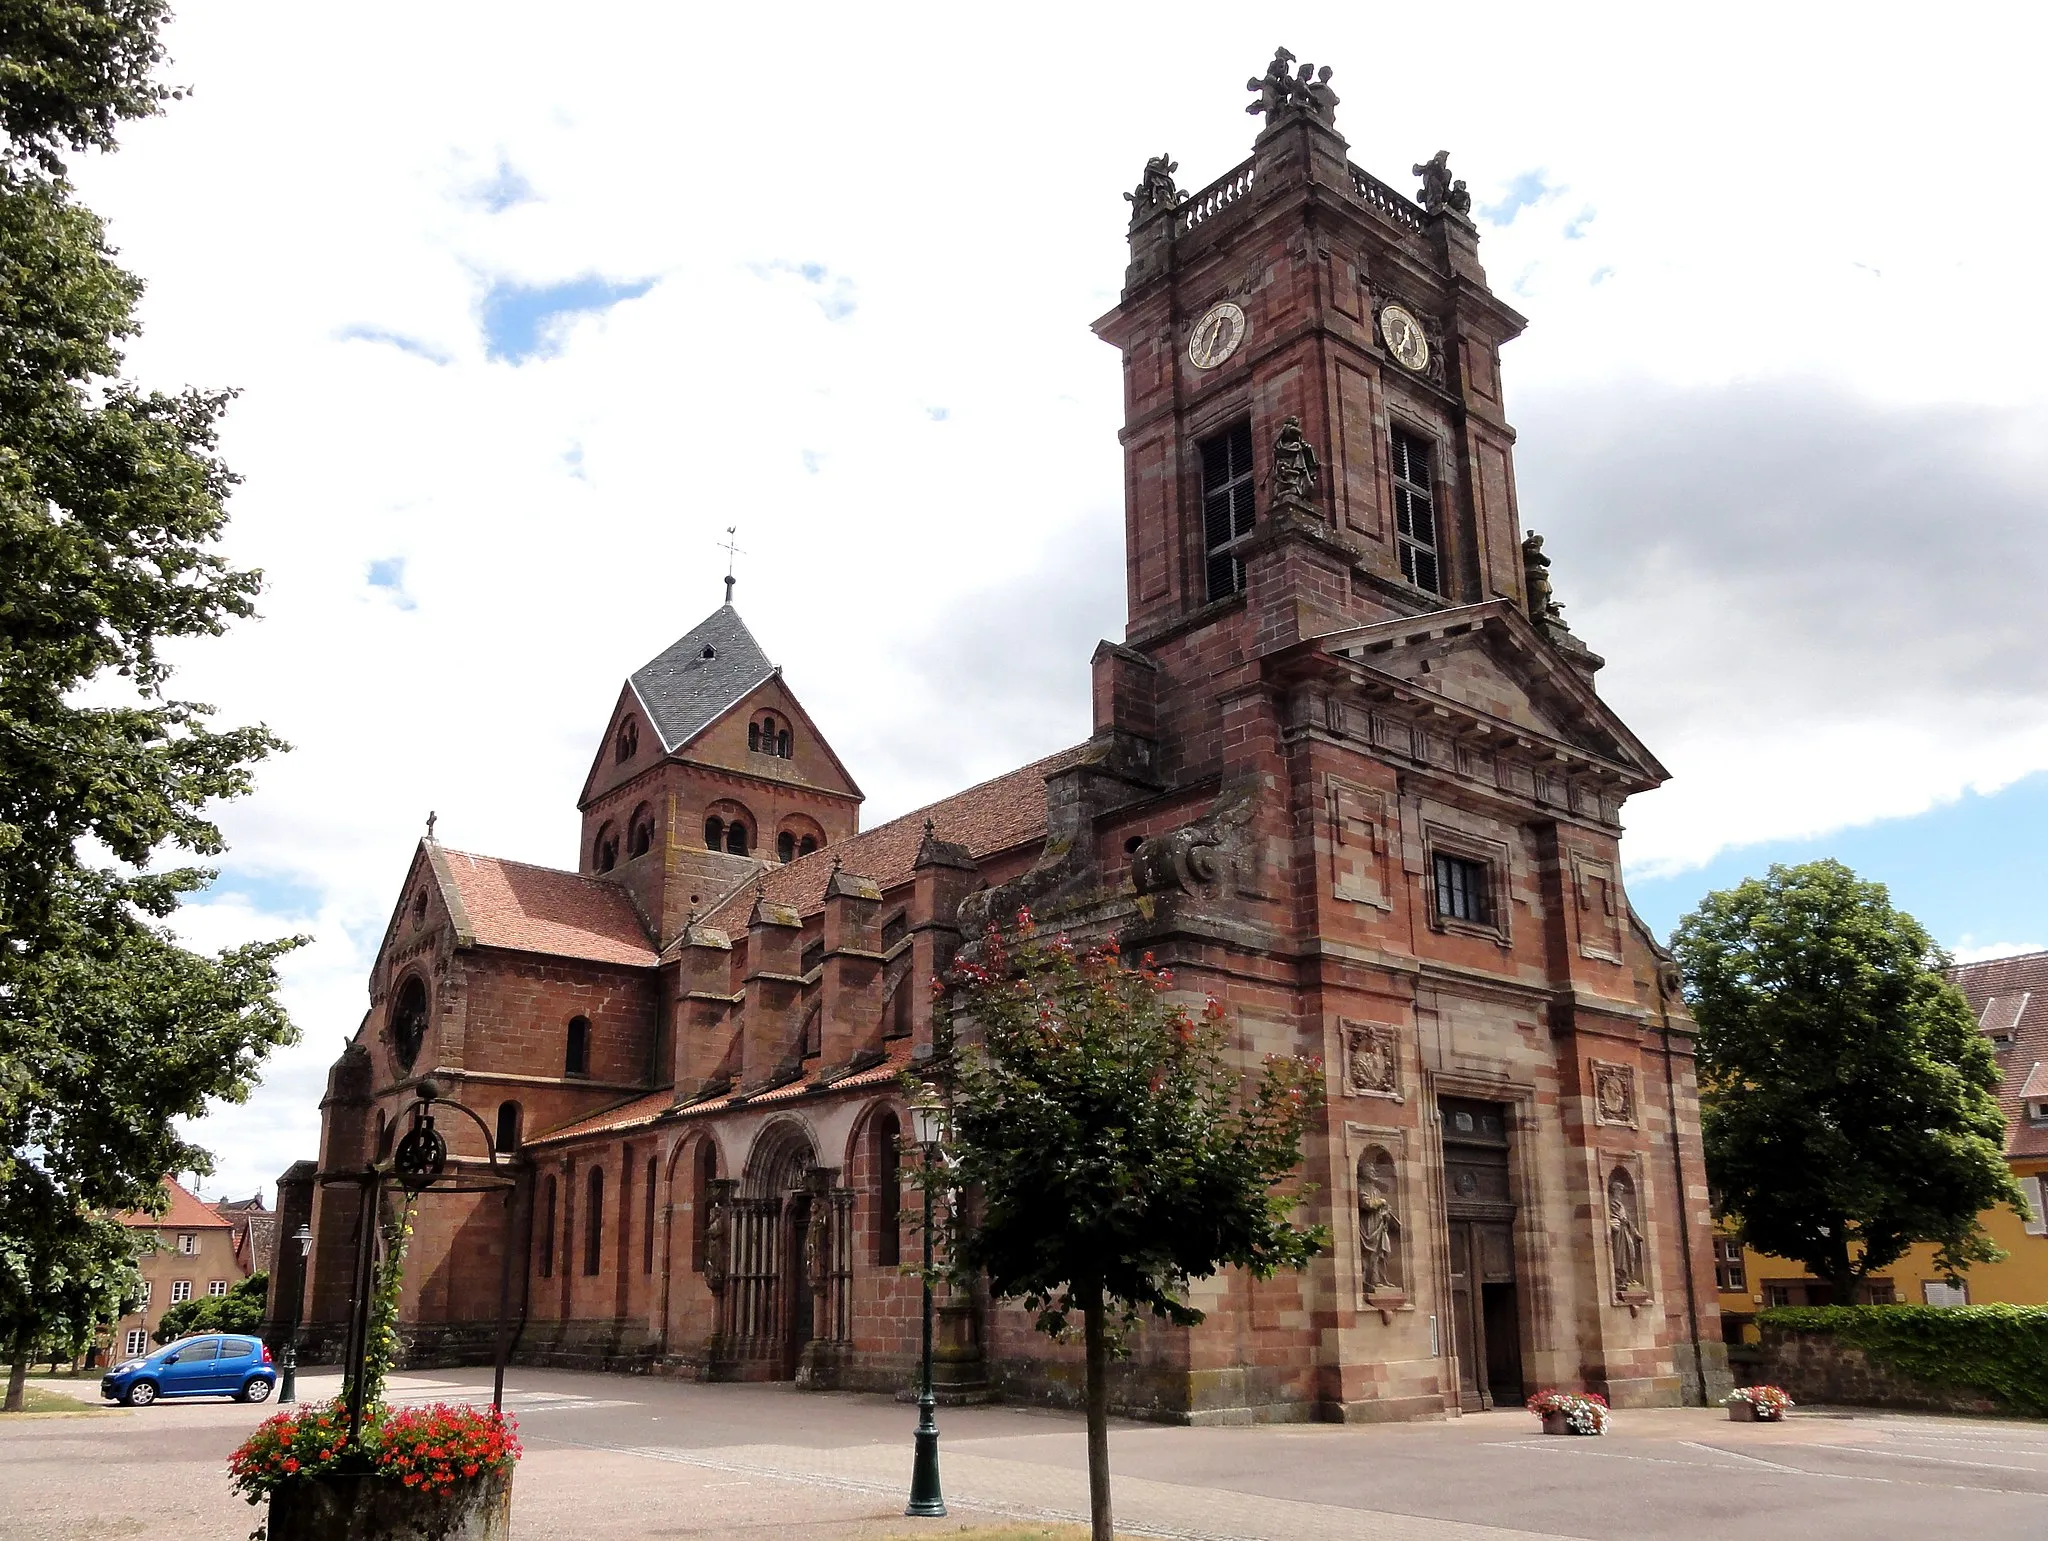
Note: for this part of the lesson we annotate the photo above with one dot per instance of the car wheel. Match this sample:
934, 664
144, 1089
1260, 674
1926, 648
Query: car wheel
257, 1390
141, 1394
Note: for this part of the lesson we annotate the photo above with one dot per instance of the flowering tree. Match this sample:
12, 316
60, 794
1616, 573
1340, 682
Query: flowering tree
1114, 1153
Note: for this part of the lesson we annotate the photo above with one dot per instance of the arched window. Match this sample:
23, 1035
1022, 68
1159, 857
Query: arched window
700, 1201
409, 1021
785, 846
640, 831
628, 743
808, 844
547, 1228
507, 1139
604, 851
647, 1230
753, 738
736, 838
782, 744
714, 833
577, 1060
888, 1134
593, 1220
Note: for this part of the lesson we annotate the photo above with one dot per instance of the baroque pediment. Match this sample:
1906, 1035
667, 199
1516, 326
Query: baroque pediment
1480, 692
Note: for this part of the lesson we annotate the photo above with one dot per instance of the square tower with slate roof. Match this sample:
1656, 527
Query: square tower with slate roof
1349, 773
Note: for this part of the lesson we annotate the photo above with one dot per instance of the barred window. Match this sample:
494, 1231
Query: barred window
1461, 890
1227, 507
1415, 511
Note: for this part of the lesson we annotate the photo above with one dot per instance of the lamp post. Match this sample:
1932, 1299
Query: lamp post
926, 1501
288, 1388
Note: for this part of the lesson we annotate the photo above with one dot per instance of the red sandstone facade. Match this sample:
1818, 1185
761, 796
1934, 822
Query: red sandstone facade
1349, 773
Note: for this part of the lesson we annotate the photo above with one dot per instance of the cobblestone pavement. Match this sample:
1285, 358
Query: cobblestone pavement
615, 1456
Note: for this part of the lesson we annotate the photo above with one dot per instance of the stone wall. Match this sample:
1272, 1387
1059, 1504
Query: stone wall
1820, 1367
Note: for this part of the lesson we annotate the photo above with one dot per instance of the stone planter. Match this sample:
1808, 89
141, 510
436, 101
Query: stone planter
333, 1508
1553, 1423
1749, 1412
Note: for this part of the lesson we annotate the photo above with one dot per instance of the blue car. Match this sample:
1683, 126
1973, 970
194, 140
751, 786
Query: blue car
210, 1365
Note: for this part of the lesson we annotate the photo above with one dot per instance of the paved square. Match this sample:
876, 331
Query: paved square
616, 1456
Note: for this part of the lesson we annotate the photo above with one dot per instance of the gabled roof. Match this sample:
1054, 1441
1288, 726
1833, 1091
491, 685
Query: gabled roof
991, 817
697, 677
187, 1213
510, 904
1584, 720
2010, 999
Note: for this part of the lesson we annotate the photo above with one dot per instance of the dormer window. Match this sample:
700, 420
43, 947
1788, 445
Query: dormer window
1228, 507
627, 743
1415, 511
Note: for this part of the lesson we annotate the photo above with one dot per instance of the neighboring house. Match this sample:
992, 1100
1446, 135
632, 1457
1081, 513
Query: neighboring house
2010, 999
187, 1252
255, 1231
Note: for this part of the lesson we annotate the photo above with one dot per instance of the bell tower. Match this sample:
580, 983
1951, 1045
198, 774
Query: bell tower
1314, 435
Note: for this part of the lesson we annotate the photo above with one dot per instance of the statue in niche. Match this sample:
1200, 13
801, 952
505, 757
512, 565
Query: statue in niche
1543, 605
1436, 181
1156, 190
1379, 1228
818, 1247
717, 1245
1625, 1236
1294, 462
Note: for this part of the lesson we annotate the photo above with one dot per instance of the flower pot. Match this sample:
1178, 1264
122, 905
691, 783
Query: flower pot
1742, 1412
1553, 1423
337, 1508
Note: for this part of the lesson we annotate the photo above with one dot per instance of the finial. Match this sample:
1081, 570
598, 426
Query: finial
761, 886
430, 823
837, 861
929, 827
730, 546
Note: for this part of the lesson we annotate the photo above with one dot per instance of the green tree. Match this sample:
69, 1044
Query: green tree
72, 70
1850, 1105
239, 1310
1111, 1153
64, 1270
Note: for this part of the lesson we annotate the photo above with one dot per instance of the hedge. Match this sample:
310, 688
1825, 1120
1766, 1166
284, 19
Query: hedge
1999, 1351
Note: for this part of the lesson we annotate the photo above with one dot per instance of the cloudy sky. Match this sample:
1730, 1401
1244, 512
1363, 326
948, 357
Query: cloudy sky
527, 306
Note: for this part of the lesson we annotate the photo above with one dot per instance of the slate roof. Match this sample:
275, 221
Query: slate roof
541, 909
2010, 998
187, 1213
991, 817
684, 691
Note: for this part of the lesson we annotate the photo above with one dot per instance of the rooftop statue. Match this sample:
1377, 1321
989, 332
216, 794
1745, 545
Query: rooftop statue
1307, 88
1156, 190
1439, 192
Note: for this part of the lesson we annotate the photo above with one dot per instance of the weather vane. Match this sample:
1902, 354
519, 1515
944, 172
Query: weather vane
730, 546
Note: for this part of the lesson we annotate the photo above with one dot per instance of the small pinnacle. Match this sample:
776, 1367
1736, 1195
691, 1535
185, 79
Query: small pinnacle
430, 823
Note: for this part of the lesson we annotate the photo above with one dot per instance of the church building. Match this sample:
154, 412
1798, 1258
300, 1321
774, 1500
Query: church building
1349, 772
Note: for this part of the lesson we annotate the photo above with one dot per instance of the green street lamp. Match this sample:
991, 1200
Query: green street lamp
288, 1382
927, 1124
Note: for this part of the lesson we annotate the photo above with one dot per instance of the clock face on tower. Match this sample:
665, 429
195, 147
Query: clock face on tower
1404, 338
1216, 335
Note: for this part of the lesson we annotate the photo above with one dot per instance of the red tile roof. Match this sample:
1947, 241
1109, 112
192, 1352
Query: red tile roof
187, 1213
626, 1115
991, 817
2010, 998
540, 909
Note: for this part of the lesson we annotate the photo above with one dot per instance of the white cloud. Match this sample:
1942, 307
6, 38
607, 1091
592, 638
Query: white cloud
1969, 950
322, 223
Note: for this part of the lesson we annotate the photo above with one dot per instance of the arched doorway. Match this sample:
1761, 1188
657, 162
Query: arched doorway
769, 1309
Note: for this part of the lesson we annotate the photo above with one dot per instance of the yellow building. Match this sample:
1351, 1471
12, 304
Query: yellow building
2010, 998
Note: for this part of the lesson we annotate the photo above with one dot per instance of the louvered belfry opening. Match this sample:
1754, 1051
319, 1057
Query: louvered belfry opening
1415, 512
1228, 506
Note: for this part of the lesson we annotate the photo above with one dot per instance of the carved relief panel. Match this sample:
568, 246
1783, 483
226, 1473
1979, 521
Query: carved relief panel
1614, 1094
1596, 890
1372, 1060
1358, 843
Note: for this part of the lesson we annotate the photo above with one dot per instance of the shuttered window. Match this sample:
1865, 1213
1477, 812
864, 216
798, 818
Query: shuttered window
1227, 507
1461, 890
1415, 511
